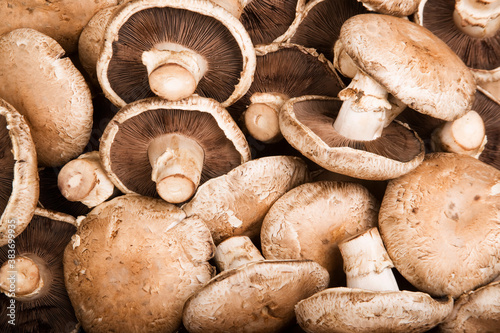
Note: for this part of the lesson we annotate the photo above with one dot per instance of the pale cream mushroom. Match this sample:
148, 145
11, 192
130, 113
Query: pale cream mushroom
392, 7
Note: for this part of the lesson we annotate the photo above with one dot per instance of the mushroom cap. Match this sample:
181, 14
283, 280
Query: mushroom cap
447, 209
124, 143
413, 65
256, 297
306, 123
475, 311
392, 7
357, 310
235, 204
206, 28
310, 220
49, 92
18, 173
145, 247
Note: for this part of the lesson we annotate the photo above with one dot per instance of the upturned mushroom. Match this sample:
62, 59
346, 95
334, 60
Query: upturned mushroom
283, 71
19, 187
372, 301
48, 90
156, 147
174, 48
309, 221
251, 294
235, 204
132, 264
440, 224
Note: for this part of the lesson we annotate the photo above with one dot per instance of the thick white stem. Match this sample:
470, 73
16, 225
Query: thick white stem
174, 71
465, 135
85, 180
262, 116
23, 277
235, 7
477, 18
363, 114
366, 262
177, 162
235, 252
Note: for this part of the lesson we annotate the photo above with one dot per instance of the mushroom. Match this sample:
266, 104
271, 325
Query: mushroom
251, 294
235, 204
132, 264
34, 297
392, 7
283, 71
471, 30
154, 146
174, 48
48, 90
446, 208
372, 301
311, 219
85, 180
19, 187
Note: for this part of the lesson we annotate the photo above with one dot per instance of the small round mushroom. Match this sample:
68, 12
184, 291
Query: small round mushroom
48, 90
156, 147
251, 294
311, 219
235, 204
173, 49
372, 301
34, 297
446, 208
19, 186
132, 264
392, 7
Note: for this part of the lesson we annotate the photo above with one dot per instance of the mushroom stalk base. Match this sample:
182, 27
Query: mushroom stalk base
177, 162
262, 116
235, 7
235, 252
23, 277
367, 264
477, 18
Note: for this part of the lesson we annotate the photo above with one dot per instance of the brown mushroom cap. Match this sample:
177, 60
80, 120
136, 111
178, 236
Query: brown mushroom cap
48, 91
235, 204
200, 26
19, 187
310, 220
411, 63
256, 297
440, 224
133, 263
392, 7
125, 140
357, 310
306, 123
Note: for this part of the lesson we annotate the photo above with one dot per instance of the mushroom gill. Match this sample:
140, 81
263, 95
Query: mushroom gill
6, 165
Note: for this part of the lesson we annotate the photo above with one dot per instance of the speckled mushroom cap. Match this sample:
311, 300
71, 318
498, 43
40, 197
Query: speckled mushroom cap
357, 310
440, 224
256, 297
132, 264
200, 26
138, 123
49, 92
392, 7
310, 220
19, 186
475, 311
235, 204
306, 123
411, 63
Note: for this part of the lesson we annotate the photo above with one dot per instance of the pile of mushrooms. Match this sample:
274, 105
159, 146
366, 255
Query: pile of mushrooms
250, 166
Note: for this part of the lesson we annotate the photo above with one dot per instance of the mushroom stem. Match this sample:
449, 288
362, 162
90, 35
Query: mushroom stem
262, 116
235, 7
177, 162
235, 252
363, 114
465, 135
23, 277
477, 18
174, 71
366, 262
84, 179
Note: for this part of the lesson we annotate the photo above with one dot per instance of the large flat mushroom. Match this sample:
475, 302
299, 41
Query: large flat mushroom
19, 187
175, 48
48, 90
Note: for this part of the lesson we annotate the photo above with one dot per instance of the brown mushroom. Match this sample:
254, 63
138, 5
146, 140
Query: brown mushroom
392, 7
